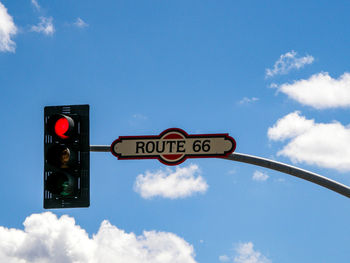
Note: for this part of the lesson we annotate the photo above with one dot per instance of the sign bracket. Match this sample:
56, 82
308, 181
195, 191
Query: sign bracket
100, 148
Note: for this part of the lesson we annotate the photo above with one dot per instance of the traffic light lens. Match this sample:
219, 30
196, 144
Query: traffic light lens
61, 184
64, 158
61, 127
61, 156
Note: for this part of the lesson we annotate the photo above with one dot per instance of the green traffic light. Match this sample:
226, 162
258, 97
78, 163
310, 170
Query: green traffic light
66, 188
61, 184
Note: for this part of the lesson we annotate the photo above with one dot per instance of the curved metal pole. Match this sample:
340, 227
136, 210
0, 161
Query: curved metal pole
271, 164
292, 170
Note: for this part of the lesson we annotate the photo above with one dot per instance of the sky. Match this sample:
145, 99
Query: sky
274, 75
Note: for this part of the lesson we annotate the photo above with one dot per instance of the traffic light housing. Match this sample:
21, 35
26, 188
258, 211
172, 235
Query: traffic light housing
66, 156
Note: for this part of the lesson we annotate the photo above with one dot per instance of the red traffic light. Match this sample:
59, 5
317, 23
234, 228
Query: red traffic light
63, 126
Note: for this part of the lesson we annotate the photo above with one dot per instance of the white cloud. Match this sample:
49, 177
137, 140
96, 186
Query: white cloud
260, 176
246, 100
172, 184
138, 116
224, 258
320, 91
232, 171
45, 26
7, 30
36, 4
280, 180
80, 23
48, 239
287, 62
323, 144
138, 119
290, 126
247, 254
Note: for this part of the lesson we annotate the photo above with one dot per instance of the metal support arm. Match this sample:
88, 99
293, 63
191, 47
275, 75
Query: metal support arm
292, 170
100, 148
271, 164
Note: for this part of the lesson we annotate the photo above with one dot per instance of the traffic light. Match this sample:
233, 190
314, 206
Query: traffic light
66, 156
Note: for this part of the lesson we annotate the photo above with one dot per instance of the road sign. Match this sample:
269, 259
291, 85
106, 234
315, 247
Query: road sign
173, 146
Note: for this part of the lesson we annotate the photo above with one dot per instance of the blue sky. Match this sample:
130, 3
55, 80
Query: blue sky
273, 74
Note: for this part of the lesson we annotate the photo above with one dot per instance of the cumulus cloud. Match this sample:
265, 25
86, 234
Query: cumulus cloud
138, 119
246, 100
322, 144
287, 62
260, 176
7, 30
290, 126
224, 258
45, 26
247, 254
320, 91
80, 23
48, 239
36, 4
139, 116
168, 183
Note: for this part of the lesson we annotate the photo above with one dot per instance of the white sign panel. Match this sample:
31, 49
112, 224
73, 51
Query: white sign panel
173, 146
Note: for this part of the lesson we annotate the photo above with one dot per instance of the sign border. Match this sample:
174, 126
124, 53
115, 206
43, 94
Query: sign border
185, 157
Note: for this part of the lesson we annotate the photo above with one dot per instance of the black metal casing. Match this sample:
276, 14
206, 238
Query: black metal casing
78, 169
